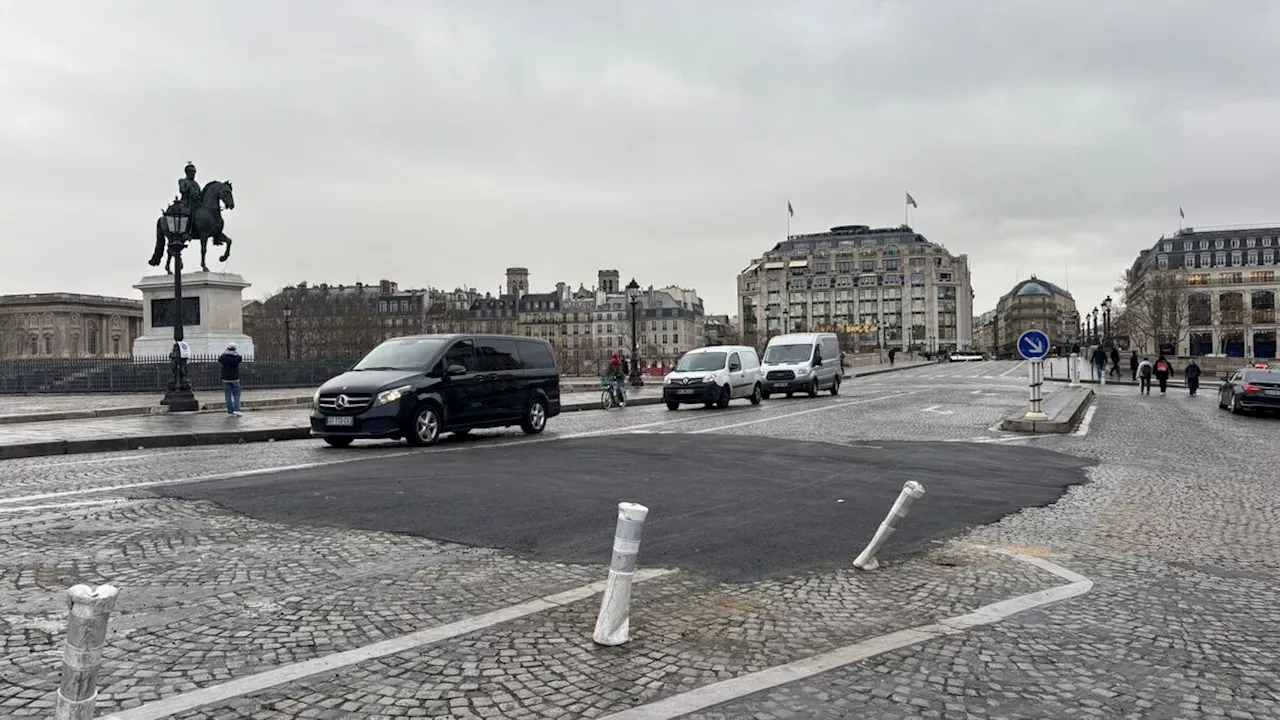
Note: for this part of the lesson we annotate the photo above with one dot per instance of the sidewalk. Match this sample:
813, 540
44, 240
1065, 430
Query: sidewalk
72, 424
1055, 370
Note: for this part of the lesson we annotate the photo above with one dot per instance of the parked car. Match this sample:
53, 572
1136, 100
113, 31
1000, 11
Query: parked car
1250, 389
801, 362
419, 387
714, 376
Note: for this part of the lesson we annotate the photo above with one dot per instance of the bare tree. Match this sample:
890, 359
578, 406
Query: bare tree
1155, 310
325, 322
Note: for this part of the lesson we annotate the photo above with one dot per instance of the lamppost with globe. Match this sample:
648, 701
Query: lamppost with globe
1106, 318
288, 345
633, 297
178, 397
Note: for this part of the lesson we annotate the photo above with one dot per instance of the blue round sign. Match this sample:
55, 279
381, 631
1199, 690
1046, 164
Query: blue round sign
1033, 345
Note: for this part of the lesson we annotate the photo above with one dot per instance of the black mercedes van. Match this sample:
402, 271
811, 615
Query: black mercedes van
421, 386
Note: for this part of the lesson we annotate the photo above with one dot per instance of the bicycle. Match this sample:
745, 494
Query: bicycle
613, 395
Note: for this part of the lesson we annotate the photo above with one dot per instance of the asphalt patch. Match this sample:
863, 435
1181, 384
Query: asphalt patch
735, 507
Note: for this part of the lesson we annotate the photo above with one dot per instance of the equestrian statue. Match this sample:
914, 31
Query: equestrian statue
204, 208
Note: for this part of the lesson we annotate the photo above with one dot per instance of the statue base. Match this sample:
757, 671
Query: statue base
180, 401
212, 316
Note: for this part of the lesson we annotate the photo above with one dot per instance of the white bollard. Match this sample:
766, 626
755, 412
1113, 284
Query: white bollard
82, 655
613, 625
1036, 382
911, 491
1073, 370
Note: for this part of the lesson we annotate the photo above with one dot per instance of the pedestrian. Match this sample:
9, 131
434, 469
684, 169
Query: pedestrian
1133, 365
1163, 371
230, 362
1192, 374
1099, 363
893, 352
1144, 377
616, 374
1115, 361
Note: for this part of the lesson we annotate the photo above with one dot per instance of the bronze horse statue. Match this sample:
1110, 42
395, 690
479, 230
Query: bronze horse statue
206, 222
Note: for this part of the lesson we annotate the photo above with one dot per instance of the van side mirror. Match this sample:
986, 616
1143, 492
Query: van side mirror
817, 360
455, 370
735, 367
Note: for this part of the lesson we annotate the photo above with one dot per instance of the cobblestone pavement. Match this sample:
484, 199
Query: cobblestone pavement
1179, 529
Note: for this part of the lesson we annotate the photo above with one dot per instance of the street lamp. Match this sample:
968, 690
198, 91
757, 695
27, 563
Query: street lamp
288, 318
178, 397
786, 320
633, 296
1106, 317
1095, 325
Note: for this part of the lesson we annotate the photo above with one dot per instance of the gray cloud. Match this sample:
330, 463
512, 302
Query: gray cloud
438, 142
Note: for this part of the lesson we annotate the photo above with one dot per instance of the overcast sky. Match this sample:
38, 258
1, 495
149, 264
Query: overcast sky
437, 143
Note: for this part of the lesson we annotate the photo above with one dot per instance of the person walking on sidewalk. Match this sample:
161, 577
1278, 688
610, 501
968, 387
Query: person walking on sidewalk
1133, 365
1099, 363
1163, 371
230, 362
1115, 361
1143, 373
1192, 374
893, 352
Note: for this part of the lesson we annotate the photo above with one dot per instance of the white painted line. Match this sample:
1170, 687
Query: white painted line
64, 506
117, 458
934, 409
1086, 421
291, 673
1013, 369
831, 406
752, 683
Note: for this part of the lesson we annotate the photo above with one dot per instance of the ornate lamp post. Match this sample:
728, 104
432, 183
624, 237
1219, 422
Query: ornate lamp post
786, 320
288, 346
179, 397
633, 297
1095, 325
1106, 317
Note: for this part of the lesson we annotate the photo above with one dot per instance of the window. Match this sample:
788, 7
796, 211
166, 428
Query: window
1268, 257
844, 267
1220, 259
1235, 257
1233, 278
1219, 244
93, 342
1206, 260
497, 355
866, 266
1262, 276
1250, 242
1235, 243
461, 353
1253, 257
1167, 247
115, 344
535, 355
1163, 262
1189, 260
1204, 244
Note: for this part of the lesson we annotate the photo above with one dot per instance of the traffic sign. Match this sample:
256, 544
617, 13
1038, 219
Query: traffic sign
1033, 345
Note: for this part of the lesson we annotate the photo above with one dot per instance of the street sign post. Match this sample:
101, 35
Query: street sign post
1033, 346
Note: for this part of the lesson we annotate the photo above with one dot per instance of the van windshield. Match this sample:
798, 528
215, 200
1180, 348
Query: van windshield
780, 354
402, 354
701, 362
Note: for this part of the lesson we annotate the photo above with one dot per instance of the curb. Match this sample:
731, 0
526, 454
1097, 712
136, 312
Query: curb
882, 371
136, 410
1057, 426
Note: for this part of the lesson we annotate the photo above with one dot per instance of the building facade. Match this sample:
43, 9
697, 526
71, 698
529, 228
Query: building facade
877, 287
1033, 304
1206, 292
68, 325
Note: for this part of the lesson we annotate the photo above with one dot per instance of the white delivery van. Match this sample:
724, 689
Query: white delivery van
802, 362
714, 376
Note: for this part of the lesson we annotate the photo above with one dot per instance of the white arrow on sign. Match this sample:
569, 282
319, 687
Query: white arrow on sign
1035, 346
934, 409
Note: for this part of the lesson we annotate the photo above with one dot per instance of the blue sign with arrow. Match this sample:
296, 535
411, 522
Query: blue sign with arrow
1033, 345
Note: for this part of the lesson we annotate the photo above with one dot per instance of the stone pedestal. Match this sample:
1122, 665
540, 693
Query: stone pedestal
213, 315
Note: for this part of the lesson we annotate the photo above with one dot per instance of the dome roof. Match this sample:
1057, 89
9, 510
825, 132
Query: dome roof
1032, 287
1036, 286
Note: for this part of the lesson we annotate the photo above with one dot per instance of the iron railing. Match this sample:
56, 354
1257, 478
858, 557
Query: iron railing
152, 374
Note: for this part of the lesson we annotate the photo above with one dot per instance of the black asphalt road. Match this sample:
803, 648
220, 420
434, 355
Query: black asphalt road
734, 507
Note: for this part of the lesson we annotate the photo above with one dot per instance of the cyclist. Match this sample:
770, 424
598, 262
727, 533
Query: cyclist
616, 376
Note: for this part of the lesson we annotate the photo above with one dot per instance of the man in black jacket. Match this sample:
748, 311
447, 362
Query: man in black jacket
230, 362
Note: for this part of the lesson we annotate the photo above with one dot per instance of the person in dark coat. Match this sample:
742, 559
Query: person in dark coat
1192, 374
1133, 365
1099, 363
1163, 370
230, 362
1115, 361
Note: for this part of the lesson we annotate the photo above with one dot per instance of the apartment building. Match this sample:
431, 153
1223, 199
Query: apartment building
877, 287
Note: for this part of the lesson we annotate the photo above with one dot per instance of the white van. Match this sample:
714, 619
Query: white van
802, 362
714, 376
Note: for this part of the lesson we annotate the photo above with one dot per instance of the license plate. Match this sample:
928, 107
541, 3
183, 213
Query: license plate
779, 386
685, 392
339, 421
1272, 392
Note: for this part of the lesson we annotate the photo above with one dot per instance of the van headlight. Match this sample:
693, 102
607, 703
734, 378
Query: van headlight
802, 370
390, 396
667, 380
708, 378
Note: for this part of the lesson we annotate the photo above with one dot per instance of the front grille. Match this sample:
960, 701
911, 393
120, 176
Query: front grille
780, 375
353, 403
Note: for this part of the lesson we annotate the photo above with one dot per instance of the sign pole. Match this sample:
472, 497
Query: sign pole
1037, 379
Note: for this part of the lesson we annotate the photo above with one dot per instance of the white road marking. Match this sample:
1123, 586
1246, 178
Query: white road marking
752, 683
831, 406
1086, 421
1013, 369
934, 409
297, 671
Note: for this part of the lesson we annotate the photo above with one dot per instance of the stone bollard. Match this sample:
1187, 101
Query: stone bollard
613, 625
86, 633
1073, 370
911, 491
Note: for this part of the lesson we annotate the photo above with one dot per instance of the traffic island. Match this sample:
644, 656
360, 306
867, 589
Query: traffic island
1062, 411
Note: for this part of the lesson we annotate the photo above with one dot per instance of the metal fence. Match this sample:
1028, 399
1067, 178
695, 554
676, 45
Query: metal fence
117, 375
